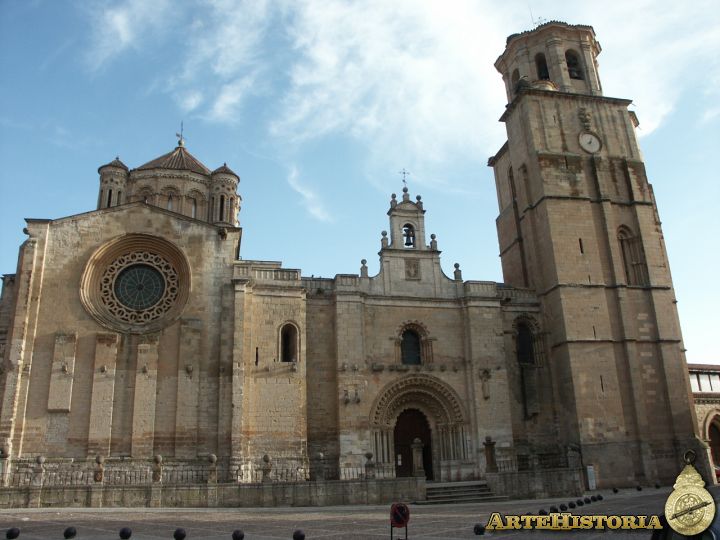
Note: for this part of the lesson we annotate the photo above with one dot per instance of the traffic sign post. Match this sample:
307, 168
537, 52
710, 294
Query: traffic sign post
399, 517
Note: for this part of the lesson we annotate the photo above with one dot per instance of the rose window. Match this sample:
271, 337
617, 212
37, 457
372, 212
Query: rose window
139, 287
136, 284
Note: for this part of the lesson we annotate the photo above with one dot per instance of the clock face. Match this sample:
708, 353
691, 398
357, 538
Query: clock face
589, 142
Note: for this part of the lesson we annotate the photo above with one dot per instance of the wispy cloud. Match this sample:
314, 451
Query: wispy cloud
124, 25
412, 81
310, 199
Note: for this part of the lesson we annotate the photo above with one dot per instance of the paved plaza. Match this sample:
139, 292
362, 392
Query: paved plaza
431, 522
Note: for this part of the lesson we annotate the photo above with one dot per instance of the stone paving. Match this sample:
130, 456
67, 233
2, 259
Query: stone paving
430, 522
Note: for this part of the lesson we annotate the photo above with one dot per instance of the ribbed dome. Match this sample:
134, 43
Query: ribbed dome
179, 159
224, 169
114, 163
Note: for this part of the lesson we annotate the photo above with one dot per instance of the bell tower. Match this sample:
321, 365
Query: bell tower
578, 224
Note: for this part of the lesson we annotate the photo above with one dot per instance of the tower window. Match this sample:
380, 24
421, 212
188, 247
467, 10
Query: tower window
409, 235
542, 68
633, 258
193, 208
288, 343
221, 214
119, 197
410, 348
573, 64
109, 198
170, 202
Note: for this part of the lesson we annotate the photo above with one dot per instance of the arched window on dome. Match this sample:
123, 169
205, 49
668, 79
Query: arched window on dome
573, 65
289, 343
109, 198
543, 73
410, 348
221, 213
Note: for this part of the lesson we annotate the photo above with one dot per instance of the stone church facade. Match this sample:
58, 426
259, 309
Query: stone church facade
136, 329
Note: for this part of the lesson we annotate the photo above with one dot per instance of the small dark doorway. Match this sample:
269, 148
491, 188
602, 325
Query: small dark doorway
714, 435
412, 424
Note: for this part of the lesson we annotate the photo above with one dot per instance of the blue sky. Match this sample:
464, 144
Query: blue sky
317, 105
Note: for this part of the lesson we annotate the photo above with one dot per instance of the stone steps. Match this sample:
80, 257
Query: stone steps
459, 493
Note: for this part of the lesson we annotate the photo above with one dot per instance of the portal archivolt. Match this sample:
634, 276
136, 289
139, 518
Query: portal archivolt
437, 401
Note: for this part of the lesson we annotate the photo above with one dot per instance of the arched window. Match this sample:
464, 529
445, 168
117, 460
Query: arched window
221, 213
542, 69
410, 348
409, 235
633, 258
193, 207
109, 198
289, 343
514, 80
573, 64
525, 346
170, 202
119, 197
525, 349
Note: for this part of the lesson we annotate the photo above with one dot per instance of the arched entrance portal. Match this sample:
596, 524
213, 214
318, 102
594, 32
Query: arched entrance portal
412, 424
425, 407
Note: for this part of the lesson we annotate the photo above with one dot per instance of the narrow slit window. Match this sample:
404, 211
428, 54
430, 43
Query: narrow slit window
193, 208
221, 214
109, 198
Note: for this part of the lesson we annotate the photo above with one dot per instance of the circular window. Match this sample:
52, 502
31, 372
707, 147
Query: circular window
136, 284
139, 287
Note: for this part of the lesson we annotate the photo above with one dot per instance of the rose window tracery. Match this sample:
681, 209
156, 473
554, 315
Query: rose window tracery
139, 287
136, 283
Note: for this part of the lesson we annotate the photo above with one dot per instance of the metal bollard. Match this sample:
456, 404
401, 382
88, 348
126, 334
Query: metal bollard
125, 533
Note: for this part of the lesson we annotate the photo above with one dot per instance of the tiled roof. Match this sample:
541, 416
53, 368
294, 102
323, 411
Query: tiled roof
114, 163
179, 159
224, 169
